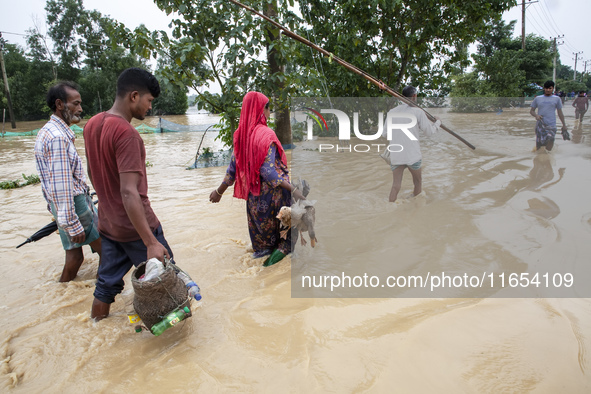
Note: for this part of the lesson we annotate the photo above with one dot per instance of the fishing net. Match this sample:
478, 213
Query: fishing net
156, 298
163, 127
145, 129
167, 126
213, 159
19, 133
76, 129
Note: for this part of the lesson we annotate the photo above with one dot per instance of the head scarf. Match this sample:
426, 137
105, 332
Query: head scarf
252, 140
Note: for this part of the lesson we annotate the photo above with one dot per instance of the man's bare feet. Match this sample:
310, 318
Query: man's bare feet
100, 310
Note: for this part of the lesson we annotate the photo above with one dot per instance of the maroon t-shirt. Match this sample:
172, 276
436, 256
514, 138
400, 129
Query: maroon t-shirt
113, 147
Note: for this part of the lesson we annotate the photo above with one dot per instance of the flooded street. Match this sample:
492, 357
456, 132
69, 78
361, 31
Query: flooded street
498, 209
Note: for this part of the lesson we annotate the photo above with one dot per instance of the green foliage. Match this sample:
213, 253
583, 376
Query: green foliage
498, 63
299, 130
564, 72
64, 18
570, 85
173, 97
536, 61
172, 100
399, 42
564, 79
104, 60
214, 42
29, 180
502, 70
27, 81
78, 47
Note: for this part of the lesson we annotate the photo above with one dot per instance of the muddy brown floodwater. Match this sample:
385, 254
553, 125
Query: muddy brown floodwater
500, 208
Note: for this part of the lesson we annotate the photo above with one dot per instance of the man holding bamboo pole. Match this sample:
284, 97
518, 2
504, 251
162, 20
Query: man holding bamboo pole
410, 157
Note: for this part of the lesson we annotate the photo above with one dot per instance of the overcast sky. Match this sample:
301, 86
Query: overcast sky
553, 18
20, 17
547, 18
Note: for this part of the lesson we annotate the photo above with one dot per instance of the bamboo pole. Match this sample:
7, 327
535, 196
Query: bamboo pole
349, 67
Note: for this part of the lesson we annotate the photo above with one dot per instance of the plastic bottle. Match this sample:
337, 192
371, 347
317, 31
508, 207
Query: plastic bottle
192, 287
194, 290
132, 316
170, 320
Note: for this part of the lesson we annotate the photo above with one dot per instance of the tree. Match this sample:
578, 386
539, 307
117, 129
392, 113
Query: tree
214, 41
173, 98
399, 42
569, 85
28, 81
276, 62
497, 64
78, 47
502, 69
64, 19
39, 50
563, 71
104, 59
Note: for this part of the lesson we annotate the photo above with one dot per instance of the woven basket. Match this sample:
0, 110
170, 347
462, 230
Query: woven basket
157, 297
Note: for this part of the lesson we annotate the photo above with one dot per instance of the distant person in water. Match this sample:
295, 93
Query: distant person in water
62, 178
581, 104
548, 105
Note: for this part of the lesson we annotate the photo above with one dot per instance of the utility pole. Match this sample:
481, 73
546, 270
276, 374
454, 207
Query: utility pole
523, 7
575, 59
585, 69
555, 55
10, 112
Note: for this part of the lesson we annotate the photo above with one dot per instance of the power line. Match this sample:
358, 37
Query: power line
551, 21
16, 34
565, 52
538, 29
549, 17
544, 21
569, 47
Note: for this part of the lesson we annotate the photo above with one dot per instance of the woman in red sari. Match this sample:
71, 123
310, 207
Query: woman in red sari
258, 170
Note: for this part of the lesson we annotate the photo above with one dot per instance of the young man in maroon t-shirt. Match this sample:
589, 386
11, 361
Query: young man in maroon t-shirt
116, 157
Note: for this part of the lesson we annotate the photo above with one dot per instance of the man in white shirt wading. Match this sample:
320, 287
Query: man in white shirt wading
410, 156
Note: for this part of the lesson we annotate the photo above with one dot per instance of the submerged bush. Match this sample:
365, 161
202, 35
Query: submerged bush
29, 180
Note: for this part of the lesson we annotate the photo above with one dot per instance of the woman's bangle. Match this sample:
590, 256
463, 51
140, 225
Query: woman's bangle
218, 193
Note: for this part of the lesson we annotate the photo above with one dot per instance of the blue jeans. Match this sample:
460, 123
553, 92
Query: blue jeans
116, 261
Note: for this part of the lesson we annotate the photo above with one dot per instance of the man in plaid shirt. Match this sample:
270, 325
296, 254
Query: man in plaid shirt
62, 178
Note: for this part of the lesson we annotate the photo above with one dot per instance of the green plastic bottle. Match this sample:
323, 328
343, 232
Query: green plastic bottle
170, 320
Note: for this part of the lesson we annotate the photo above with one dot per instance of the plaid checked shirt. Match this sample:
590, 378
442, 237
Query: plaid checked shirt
61, 173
